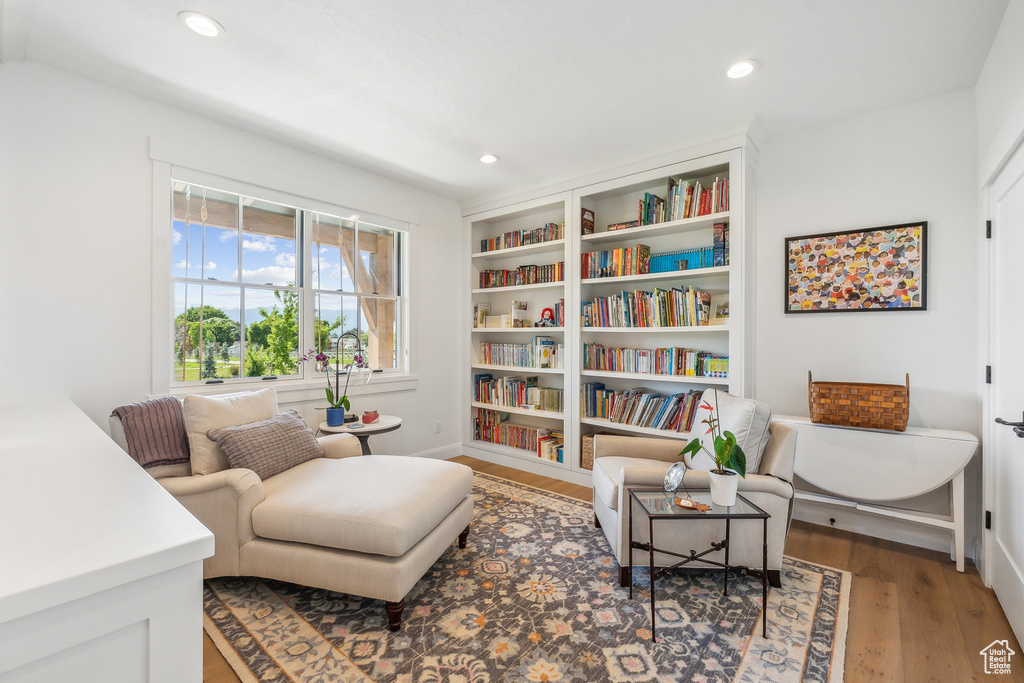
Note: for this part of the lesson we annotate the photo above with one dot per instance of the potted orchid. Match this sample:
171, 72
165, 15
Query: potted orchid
337, 401
730, 460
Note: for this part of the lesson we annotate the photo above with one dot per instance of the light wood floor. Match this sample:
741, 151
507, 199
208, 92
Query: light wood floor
913, 617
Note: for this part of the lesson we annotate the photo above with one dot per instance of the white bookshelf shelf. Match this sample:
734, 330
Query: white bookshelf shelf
542, 331
655, 230
719, 271
646, 431
691, 329
553, 246
519, 369
519, 288
651, 377
547, 414
522, 453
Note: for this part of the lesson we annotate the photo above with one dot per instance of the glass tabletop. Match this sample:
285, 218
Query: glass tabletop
658, 503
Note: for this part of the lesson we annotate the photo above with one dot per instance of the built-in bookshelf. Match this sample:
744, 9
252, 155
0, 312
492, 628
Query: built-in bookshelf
654, 306
517, 346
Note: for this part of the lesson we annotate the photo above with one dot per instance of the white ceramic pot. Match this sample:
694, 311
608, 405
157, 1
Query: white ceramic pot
723, 488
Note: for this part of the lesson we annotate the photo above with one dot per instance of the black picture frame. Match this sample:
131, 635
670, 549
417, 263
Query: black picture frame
867, 269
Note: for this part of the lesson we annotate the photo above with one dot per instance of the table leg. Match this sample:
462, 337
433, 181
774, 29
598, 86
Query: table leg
364, 443
725, 570
650, 545
957, 508
629, 548
764, 579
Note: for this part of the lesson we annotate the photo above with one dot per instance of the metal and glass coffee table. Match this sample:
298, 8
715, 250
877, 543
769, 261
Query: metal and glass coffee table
657, 505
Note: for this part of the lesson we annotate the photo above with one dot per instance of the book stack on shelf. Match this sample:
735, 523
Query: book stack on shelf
493, 426
517, 392
662, 361
683, 259
550, 445
660, 308
523, 275
616, 262
639, 407
542, 353
688, 199
521, 238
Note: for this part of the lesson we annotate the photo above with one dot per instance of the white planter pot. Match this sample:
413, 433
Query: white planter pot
723, 488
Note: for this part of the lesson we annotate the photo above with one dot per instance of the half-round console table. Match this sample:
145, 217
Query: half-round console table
865, 466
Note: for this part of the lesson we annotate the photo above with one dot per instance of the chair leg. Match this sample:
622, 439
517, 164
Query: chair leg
463, 537
775, 577
625, 576
597, 522
395, 610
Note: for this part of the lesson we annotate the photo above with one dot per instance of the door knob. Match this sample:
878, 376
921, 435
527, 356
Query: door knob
1016, 426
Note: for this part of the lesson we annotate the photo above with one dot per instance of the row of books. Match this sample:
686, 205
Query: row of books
523, 275
688, 199
683, 259
550, 445
721, 244
660, 308
640, 407
517, 392
493, 427
662, 361
616, 262
521, 238
542, 352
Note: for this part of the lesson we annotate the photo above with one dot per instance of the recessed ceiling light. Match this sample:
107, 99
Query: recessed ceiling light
488, 158
200, 23
742, 68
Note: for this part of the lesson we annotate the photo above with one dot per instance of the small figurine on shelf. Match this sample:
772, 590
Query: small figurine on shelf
547, 318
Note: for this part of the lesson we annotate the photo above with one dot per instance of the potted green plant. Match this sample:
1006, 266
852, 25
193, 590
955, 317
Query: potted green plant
730, 460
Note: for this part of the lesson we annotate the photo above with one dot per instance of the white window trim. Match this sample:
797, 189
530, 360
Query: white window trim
288, 390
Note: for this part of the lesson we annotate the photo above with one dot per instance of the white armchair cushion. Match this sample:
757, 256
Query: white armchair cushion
746, 418
203, 413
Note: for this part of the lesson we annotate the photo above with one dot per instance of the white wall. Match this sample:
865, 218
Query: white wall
76, 249
912, 163
999, 93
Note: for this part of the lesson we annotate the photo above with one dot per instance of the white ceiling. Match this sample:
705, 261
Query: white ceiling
416, 90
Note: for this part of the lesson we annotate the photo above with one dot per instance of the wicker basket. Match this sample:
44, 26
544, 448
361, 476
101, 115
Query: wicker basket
587, 452
858, 404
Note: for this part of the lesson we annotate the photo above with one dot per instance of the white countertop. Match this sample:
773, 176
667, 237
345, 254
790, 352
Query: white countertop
78, 515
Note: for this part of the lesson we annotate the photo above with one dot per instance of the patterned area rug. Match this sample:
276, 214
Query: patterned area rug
534, 597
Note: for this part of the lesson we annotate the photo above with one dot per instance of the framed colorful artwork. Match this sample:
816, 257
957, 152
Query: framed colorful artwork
873, 269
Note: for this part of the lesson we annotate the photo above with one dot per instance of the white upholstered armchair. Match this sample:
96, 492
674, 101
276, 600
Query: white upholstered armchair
622, 462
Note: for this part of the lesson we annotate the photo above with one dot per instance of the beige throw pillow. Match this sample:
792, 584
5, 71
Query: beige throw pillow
269, 446
203, 413
746, 418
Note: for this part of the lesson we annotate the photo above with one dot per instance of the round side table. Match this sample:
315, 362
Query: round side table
363, 432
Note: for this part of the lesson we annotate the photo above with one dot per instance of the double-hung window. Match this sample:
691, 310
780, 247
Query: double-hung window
261, 287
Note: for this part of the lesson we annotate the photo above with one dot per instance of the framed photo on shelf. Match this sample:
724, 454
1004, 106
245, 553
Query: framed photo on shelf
719, 309
872, 269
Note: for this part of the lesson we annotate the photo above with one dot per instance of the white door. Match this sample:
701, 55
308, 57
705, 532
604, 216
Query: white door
1004, 447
